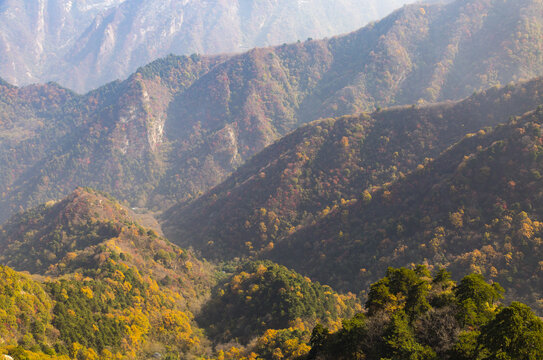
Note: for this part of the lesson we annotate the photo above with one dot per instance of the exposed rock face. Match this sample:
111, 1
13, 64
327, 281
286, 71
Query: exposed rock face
85, 43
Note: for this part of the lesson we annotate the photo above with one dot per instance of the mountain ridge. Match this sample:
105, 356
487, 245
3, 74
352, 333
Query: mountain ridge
131, 289
87, 43
323, 165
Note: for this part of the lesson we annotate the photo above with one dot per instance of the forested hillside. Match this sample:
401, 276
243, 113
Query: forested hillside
328, 164
104, 287
264, 295
113, 289
475, 208
53, 140
181, 125
410, 313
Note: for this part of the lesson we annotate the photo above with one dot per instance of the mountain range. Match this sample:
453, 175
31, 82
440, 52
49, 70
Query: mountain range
327, 164
83, 44
181, 125
342, 199
374, 195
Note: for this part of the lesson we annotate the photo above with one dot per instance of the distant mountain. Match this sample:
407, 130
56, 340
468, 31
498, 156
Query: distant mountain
83, 44
181, 125
248, 101
36, 34
107, 139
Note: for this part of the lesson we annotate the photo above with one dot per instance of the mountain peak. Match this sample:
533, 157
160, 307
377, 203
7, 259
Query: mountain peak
40, 239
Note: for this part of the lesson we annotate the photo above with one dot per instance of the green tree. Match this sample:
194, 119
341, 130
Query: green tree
400, 342
476, 299
318, 337
516, 333
401, 289
467, 347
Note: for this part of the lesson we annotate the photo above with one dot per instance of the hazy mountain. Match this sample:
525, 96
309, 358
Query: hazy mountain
109, 136
342, 199
36, 34
250, 100
85, 43
182, 124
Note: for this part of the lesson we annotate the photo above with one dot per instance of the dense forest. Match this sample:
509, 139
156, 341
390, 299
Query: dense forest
113, 308
103, 286
411, 314
475, 208
264, 295
327, 164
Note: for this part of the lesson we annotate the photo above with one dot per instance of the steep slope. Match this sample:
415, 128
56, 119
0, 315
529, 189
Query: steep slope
133, 291
477, 207
182, 124
85, 43
326, 164
53, 140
